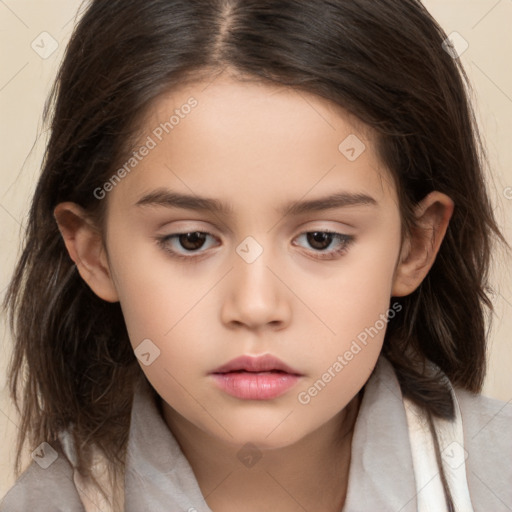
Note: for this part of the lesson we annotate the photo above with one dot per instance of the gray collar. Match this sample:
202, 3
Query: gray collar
159, 477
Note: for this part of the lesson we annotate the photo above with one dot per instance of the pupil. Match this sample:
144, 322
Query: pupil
192, 241
318, 238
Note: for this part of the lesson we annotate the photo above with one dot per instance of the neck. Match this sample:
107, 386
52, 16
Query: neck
311, 474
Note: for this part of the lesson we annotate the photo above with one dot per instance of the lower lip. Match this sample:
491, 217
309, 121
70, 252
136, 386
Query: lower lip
255, 386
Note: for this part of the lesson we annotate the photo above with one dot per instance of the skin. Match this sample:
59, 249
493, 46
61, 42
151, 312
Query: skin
256, 147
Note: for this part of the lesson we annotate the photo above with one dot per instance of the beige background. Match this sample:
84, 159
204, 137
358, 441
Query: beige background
25, 78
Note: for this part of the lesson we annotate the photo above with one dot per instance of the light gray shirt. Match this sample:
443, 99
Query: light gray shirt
381, 478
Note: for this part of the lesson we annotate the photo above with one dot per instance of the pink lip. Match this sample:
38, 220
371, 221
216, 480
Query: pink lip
265, 363
256, 378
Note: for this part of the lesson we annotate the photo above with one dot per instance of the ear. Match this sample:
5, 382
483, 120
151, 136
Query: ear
85, 247
420, 249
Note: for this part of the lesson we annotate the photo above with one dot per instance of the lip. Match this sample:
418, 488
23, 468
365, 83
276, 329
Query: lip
265, 363
256, 378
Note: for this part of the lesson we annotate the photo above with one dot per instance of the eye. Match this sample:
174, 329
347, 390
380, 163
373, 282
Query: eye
321, 240
190, 241
186, 245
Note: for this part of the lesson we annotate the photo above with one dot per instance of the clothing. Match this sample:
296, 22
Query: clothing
381, 478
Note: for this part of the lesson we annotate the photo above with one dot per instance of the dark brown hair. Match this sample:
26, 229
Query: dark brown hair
381, 61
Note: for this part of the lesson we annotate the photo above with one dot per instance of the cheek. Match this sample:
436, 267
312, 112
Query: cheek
359, 291
355, 307
341, 366
167, 312
154, 293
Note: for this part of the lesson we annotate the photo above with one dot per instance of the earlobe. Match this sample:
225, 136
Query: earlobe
85, 247
420, 249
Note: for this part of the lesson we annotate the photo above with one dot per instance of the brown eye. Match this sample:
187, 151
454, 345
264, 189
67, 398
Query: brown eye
321, 241
192, 241
187, 245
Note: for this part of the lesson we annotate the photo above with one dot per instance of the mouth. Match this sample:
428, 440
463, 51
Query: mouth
256, 378
249, 371
261, 364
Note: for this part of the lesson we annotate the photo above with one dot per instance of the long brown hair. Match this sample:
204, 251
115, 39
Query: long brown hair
381, 61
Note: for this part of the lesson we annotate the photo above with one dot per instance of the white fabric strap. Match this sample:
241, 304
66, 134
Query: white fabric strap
430, 494
90, 496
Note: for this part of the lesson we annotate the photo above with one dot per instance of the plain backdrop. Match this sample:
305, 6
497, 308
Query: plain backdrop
29, 31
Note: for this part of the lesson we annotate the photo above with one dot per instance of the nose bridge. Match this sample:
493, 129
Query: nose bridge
251, 272
255, 295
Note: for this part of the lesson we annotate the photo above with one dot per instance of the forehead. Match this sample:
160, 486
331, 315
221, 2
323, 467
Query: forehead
239, 140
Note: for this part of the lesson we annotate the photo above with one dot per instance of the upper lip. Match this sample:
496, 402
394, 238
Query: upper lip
263, 363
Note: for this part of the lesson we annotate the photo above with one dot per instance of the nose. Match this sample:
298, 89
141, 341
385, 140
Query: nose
254, 295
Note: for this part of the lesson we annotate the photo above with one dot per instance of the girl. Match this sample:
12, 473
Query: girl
255, 271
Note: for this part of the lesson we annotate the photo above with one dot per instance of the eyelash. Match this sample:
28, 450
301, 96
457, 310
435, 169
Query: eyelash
345, 241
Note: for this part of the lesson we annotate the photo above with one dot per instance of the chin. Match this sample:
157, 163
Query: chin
265, 435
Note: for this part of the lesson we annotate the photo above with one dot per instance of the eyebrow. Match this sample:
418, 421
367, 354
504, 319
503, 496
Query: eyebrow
171, 199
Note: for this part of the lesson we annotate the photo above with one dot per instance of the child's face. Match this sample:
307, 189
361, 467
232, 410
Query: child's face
255, 148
